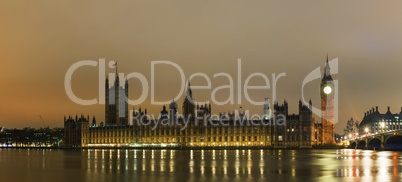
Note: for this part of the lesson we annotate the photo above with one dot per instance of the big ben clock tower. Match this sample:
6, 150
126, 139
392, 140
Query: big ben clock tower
327, 106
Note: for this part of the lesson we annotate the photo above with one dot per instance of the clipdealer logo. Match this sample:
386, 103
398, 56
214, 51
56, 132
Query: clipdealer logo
242, 88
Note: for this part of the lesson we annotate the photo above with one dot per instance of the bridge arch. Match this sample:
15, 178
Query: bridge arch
361, 144
393, 142
353, 145
374, 143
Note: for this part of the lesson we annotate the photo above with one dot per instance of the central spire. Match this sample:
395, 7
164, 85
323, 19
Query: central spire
117, 74
188, 104
189, 92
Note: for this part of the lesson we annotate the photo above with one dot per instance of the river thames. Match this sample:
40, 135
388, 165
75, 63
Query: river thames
199, 165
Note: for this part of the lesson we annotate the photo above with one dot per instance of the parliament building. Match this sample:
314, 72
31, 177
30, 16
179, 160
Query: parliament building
196, 127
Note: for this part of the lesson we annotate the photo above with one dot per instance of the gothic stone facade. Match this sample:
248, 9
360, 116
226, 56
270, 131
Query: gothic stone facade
297, 131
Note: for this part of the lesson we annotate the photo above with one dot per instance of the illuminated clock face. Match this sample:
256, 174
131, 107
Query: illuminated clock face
327, 90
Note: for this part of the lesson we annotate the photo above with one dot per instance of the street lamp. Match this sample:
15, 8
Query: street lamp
382, 126
367, 130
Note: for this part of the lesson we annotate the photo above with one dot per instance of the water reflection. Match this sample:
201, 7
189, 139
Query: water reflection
195, 165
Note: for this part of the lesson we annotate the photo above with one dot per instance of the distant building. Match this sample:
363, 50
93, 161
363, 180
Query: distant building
375, 122
352, 129
29, 137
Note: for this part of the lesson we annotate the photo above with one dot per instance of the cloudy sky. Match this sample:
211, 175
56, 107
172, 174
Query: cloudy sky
40, 40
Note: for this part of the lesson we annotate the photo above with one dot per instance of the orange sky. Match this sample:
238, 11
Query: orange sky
39, 41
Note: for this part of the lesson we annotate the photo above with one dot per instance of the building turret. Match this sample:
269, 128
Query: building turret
93, 121
125, 122
173, 110
266, 112
188, 104
117, 97
164, 113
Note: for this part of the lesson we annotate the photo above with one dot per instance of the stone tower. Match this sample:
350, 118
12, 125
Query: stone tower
117, 97
327, 106
116, 105
125, 99
188, 104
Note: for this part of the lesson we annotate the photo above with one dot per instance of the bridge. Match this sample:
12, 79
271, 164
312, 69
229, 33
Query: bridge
391, 140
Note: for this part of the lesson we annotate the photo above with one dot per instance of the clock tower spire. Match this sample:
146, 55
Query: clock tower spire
327, 72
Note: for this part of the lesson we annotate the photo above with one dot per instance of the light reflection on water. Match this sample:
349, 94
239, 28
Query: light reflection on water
198, 165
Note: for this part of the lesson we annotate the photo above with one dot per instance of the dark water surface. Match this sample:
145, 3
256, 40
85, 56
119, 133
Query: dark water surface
41, 165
